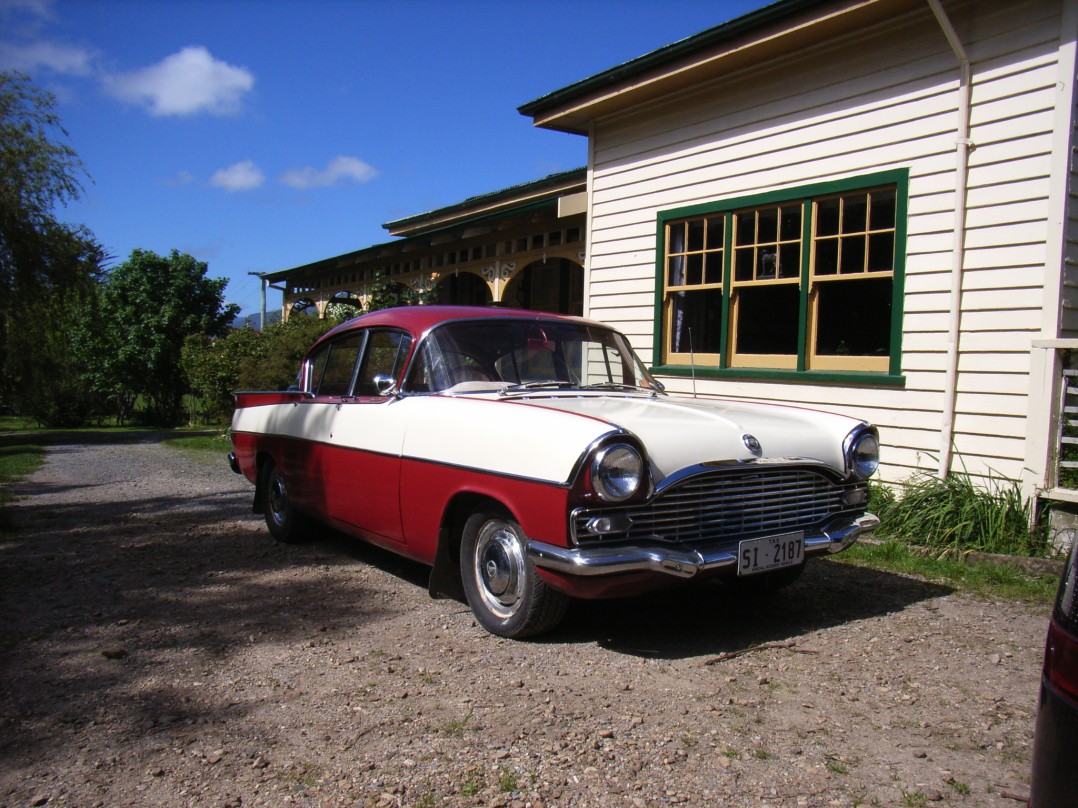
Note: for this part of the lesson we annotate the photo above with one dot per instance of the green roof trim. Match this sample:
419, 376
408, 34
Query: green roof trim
703, 41
536, 186
576, 175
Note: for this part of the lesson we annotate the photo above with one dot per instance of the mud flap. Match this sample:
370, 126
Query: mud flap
445, 580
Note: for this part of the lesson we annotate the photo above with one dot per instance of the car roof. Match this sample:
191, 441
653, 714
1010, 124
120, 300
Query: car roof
420, 319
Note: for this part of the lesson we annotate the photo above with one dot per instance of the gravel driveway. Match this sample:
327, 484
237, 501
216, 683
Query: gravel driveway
159, 649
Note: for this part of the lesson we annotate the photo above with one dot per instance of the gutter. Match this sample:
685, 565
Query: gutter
963, 147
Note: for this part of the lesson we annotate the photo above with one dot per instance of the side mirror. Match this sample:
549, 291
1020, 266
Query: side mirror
385, 385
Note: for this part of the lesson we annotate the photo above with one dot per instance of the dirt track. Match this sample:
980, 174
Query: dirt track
160, 649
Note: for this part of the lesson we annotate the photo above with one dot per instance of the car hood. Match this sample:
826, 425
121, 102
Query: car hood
680, 432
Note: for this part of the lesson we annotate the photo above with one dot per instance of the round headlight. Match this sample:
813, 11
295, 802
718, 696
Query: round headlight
617, 472
865, 455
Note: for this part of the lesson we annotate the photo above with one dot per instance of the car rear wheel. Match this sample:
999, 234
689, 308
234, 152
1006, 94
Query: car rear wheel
283, 521
506, 594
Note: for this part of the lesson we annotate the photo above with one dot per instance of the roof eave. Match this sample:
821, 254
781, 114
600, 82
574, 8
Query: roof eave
487, 205
737, 44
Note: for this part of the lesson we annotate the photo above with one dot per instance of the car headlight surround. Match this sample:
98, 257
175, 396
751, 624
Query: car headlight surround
617, 472
863, 452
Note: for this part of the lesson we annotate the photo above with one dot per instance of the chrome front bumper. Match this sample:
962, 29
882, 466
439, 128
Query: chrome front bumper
590, 561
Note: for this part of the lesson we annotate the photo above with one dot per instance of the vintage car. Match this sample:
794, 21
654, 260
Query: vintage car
531, 458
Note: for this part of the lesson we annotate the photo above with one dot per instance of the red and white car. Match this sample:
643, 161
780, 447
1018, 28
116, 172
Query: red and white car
530, 458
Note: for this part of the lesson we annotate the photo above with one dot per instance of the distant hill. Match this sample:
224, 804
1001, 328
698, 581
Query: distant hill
252, 320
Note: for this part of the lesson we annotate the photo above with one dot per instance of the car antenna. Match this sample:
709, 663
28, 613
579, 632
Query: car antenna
692, 363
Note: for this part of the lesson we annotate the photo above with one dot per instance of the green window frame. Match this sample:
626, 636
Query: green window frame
803, 284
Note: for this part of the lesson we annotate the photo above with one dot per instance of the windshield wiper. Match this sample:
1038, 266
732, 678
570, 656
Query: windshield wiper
547, 384
616, 386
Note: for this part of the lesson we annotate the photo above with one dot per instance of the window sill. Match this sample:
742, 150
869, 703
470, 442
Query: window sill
848, 378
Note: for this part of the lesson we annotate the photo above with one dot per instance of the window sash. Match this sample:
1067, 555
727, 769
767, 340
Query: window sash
866, 232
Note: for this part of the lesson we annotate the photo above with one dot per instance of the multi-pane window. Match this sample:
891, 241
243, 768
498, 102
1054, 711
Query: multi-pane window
764, 293
799, 283
694, 275
853, 271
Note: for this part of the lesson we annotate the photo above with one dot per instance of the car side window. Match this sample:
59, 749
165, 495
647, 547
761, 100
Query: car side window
315, 367
386, 351
339, 367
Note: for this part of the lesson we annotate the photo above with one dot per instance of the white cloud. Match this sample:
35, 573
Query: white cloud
242, 176
70, 60
36, 9
181, 178
339, 170
185, 83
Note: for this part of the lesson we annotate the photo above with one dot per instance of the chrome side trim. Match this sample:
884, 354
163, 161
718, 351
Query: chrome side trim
590, 561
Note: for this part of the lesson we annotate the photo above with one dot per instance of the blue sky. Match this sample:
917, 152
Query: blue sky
259, 135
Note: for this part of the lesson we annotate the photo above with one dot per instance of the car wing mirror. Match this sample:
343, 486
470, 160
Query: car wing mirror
385, 385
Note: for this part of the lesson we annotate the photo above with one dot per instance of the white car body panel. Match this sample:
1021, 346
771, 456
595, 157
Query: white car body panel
542, 437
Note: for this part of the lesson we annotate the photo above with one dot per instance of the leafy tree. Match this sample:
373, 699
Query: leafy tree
40, 258
150, 305
246, 359
213, 367
36, 173
286, 343
46, 361
385, 293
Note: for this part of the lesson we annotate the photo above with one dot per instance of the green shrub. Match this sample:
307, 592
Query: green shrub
959, 513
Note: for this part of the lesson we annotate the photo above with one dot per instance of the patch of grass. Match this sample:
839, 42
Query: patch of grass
20, 460
960, 787
981, 578
471, 787
366, 692
17, 462
913, 799
303, 773
762, 754
455, 728
835, 767
17, 423
203, 448
508, 781
959, 512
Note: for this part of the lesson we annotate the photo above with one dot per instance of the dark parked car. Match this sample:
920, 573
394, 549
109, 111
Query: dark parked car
1055, 742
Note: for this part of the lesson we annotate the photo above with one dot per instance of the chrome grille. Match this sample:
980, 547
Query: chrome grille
712, 507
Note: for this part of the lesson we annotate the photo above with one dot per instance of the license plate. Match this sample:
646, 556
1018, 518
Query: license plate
770, 553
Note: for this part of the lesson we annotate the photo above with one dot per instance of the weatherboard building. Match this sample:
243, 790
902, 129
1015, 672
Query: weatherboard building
868, 206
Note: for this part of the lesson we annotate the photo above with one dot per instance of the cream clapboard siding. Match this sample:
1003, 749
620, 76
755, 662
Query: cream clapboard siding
1070, 247
884, 99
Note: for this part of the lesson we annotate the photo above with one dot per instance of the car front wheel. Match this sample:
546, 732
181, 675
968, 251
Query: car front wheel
506, 594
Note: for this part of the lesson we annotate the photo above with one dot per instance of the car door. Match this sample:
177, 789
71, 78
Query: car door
362, 477
306, 461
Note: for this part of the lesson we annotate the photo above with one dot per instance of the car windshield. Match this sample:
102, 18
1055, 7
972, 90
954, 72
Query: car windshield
516, 356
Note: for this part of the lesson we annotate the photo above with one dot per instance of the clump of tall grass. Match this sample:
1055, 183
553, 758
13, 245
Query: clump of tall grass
959, 513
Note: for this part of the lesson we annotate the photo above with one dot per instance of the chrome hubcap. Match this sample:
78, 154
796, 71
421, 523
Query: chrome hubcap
278, 498
500, 567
